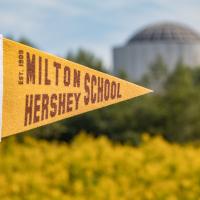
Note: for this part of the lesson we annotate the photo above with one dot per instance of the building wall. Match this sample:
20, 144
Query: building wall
136, 58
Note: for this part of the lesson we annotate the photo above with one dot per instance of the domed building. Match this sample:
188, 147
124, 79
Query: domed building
170, 41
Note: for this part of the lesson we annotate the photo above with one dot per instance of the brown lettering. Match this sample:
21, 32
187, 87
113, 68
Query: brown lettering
47, 80
53, 105
40, 71
100, 89
45, 103
36, 118
62, 100
30, 68
113, 90
69, 102
106, 90
66, 76
77, 75
77, 98
28, 110
118, 91
87, 89
57, 66
93, 83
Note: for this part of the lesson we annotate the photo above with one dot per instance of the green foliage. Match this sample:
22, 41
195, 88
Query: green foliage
25, 41
86, 58
22, 40
122, 74
156, 76
182, 102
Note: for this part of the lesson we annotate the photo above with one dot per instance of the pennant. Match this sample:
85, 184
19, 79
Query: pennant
37, 88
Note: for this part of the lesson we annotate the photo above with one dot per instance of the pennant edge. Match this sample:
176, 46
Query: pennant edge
1, 83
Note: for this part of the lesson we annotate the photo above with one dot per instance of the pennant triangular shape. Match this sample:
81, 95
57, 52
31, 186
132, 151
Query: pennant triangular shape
37, 88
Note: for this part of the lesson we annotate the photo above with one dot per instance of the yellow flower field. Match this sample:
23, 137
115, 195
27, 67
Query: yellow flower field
98, 170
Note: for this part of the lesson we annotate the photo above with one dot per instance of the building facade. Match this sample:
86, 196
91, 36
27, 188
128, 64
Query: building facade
170, 41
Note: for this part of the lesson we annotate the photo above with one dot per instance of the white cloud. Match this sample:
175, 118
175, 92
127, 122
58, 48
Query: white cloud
95, 25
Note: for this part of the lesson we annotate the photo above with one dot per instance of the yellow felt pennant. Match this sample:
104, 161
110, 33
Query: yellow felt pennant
38, 88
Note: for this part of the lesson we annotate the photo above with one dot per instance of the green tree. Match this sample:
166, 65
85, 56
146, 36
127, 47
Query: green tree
156, 75
22, 40
86, 58
122, 74
182, 102
26, 41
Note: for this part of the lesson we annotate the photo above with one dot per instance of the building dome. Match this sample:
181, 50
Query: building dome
174, 32
170, 41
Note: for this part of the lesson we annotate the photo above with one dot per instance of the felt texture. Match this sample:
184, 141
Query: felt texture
40, 88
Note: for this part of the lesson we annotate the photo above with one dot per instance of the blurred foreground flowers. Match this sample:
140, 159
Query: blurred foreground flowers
96, 169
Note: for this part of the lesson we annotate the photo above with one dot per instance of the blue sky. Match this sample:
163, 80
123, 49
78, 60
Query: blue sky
58, 26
